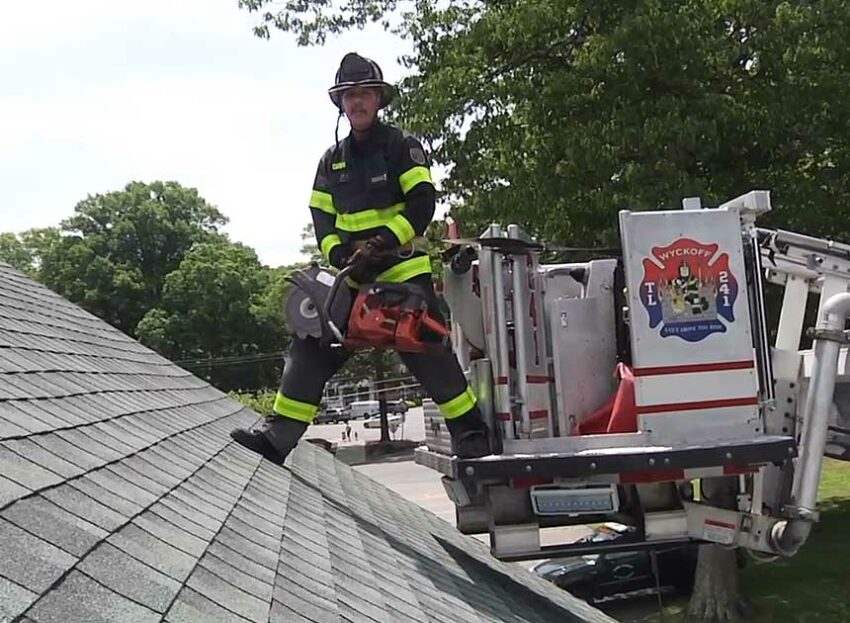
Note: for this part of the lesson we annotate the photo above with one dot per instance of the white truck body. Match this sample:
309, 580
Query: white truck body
700, 390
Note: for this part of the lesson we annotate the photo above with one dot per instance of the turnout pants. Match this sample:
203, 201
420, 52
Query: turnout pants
312, 365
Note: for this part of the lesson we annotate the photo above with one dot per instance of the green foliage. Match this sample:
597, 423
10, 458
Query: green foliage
812, 585
556, 114
39, 242
149, 260
311, 22
261, 402
216, 303
561, 123
15, 253
309, 246
113, 255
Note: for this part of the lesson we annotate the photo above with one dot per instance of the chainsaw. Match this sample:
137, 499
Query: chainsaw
383, 315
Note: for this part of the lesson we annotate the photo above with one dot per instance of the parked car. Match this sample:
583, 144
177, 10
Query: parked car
332, 414
397, 406
369, 408
375, 421
618, 574
363, 409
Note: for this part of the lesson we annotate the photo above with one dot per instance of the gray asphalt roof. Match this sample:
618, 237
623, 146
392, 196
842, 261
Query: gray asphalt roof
122, 498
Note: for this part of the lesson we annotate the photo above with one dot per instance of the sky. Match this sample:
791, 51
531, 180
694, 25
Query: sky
97, 93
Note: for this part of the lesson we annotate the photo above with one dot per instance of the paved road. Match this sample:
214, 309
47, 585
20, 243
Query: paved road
413, 482
412, 428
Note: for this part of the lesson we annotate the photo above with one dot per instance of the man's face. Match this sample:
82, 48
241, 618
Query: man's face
361, 106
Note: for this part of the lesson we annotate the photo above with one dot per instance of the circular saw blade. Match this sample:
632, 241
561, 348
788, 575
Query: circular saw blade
301, 314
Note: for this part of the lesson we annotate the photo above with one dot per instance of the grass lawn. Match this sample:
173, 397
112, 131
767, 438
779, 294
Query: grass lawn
814, 585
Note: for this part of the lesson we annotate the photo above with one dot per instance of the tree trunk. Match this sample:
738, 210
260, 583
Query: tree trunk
717, 595
717, 592
385, 424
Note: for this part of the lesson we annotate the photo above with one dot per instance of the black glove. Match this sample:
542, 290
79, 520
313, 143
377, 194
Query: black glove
373, 252
367, 260
340, 254
363, 273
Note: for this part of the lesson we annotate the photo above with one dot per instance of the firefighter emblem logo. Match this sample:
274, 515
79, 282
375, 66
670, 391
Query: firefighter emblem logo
688, 289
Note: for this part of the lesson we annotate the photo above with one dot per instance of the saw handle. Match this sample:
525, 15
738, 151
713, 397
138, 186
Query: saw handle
367, 253
350, 264
340, 277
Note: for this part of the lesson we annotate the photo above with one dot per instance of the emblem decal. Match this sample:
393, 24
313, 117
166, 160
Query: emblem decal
417, 155
688, 289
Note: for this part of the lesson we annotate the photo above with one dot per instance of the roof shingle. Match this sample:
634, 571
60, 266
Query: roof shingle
122, 498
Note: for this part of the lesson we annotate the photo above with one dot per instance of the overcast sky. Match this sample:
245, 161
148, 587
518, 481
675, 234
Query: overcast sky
96, 93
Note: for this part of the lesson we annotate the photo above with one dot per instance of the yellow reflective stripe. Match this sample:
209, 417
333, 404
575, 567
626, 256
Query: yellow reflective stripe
322, 201
367, 219
407, 269
458, 405
412, 177
402, 229
294, 409
329, 242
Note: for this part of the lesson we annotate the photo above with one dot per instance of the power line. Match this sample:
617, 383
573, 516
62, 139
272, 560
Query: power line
231, 360
344, 381
387, 390
260, 357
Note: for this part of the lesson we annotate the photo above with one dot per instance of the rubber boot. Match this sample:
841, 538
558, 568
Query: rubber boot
470, 435
274, 438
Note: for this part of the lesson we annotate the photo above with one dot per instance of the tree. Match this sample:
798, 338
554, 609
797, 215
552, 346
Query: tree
309, 246
556, 114
113, 255
718, 595
216, 306
15, 253
39, 243
149, 259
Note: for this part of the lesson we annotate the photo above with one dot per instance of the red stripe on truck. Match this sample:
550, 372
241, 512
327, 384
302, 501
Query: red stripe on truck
697, 404
735, 470
694, 367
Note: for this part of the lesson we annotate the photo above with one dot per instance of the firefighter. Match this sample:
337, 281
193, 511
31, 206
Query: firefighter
372, 195
689, 289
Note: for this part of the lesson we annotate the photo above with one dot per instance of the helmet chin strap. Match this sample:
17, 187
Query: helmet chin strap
336, 130
339, 118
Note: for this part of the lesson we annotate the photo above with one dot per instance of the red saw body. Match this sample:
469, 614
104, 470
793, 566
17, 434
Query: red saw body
393, 316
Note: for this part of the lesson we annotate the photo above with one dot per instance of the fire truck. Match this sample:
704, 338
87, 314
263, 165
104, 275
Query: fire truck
614, 386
